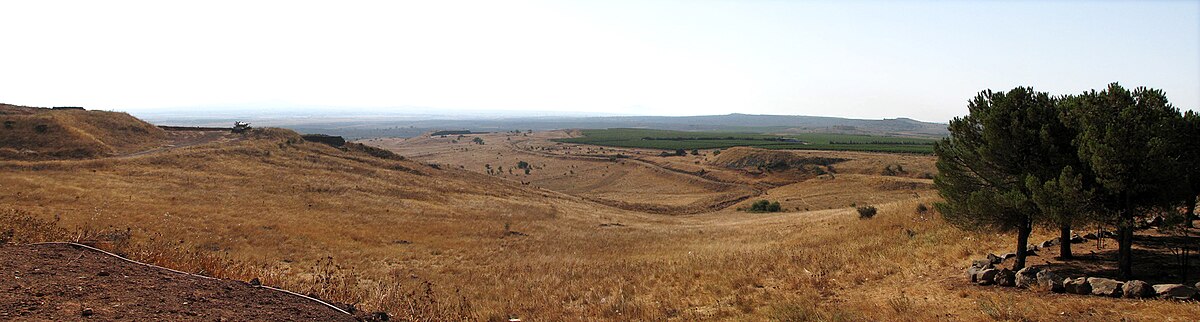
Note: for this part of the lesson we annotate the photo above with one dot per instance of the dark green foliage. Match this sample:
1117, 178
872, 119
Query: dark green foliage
695, 152
765, 206
477, 140
894, 170
680, 152
984, 165
1127, 142
922, 208
866, 212
671, 140
522, 165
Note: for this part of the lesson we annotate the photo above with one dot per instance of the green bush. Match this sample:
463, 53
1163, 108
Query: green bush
765, 206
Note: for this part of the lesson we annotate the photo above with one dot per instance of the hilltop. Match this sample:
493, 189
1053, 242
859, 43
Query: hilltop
30, 133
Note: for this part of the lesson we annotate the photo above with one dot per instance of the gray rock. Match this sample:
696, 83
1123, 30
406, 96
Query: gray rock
1008, 255
1137, 289
1077, 286
1050, 280
972, 273
1091, 236
982, 263
1027, 277
1006, 278
1107, 234
995, 259
987, 276
1105, 286
1075, 239
1174, 291
1049, 243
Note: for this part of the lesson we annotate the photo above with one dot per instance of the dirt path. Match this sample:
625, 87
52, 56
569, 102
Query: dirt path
59, 282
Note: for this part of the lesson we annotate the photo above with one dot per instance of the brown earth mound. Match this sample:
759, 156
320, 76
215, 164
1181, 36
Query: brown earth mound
58, 282
751, 158
29, 133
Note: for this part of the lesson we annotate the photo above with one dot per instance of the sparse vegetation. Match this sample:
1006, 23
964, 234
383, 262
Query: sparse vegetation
866, 212
765, 206
671, 140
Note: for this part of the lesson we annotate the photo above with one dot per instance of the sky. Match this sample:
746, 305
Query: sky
860, 59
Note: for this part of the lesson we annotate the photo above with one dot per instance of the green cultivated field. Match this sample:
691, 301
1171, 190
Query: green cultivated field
671, 140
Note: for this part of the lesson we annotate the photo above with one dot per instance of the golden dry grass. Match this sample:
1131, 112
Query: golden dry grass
445, 244
41, 134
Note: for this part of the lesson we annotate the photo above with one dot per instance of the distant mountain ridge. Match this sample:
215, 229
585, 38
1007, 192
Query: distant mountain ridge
398, 125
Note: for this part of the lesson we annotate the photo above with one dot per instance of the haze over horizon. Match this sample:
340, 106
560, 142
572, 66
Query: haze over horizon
915, 59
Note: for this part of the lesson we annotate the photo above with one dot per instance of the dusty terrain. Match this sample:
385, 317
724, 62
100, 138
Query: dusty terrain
586, 235
63, 283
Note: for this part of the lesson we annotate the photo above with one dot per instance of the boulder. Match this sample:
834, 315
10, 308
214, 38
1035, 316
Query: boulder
1008, 255
1137, 289
1077, 286
1075, 239
1032, 247
1091, 236
995, 259
1105, 286
1155, 221
1049, 243
972, 274
1107, 234
1006, 278
1050, 280
986, 276
1174, 291
1027, 277
982, 263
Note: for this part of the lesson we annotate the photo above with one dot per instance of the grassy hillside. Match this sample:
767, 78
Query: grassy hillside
432, 242
28, 133
671, 140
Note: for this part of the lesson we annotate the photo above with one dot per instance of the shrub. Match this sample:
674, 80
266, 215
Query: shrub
866, 212
765, 206
922, 208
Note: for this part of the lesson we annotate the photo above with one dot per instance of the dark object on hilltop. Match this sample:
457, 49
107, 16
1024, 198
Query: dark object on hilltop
452, 132
239, 127
68, 108
330, 140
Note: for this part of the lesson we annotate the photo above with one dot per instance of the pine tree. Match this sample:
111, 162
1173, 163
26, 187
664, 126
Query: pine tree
992, 154
1126, 141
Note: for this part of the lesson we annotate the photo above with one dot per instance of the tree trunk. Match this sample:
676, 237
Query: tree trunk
1022, 243
1125, 247
1064, 241
1191, 212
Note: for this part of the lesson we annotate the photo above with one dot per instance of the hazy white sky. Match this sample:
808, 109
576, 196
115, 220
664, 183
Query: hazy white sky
854, 59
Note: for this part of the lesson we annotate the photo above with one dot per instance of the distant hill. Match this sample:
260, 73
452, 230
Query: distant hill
30, 133
407, 126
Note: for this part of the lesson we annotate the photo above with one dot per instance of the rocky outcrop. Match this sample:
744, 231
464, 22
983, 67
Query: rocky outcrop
1174, 291
1050, 280
1006, 278
1105, 286
1137, 289
1077, 286
987, 276
1027, 277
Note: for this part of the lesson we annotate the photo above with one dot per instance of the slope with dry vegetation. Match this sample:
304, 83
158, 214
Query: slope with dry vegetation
438, 242
40, 134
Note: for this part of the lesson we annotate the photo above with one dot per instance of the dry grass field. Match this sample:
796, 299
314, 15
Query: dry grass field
586, 235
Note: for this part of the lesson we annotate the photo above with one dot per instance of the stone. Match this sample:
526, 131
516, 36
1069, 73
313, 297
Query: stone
982, 263
1137, 289
1105, 286
972, 274
1050, 280
1075, 239
1174, 291
255, 282
86, 312
1049, 243
995, 259
1077, 286
1006, 278
1107, 234
987, 276
1007, 256
1027, 277
1091, 236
